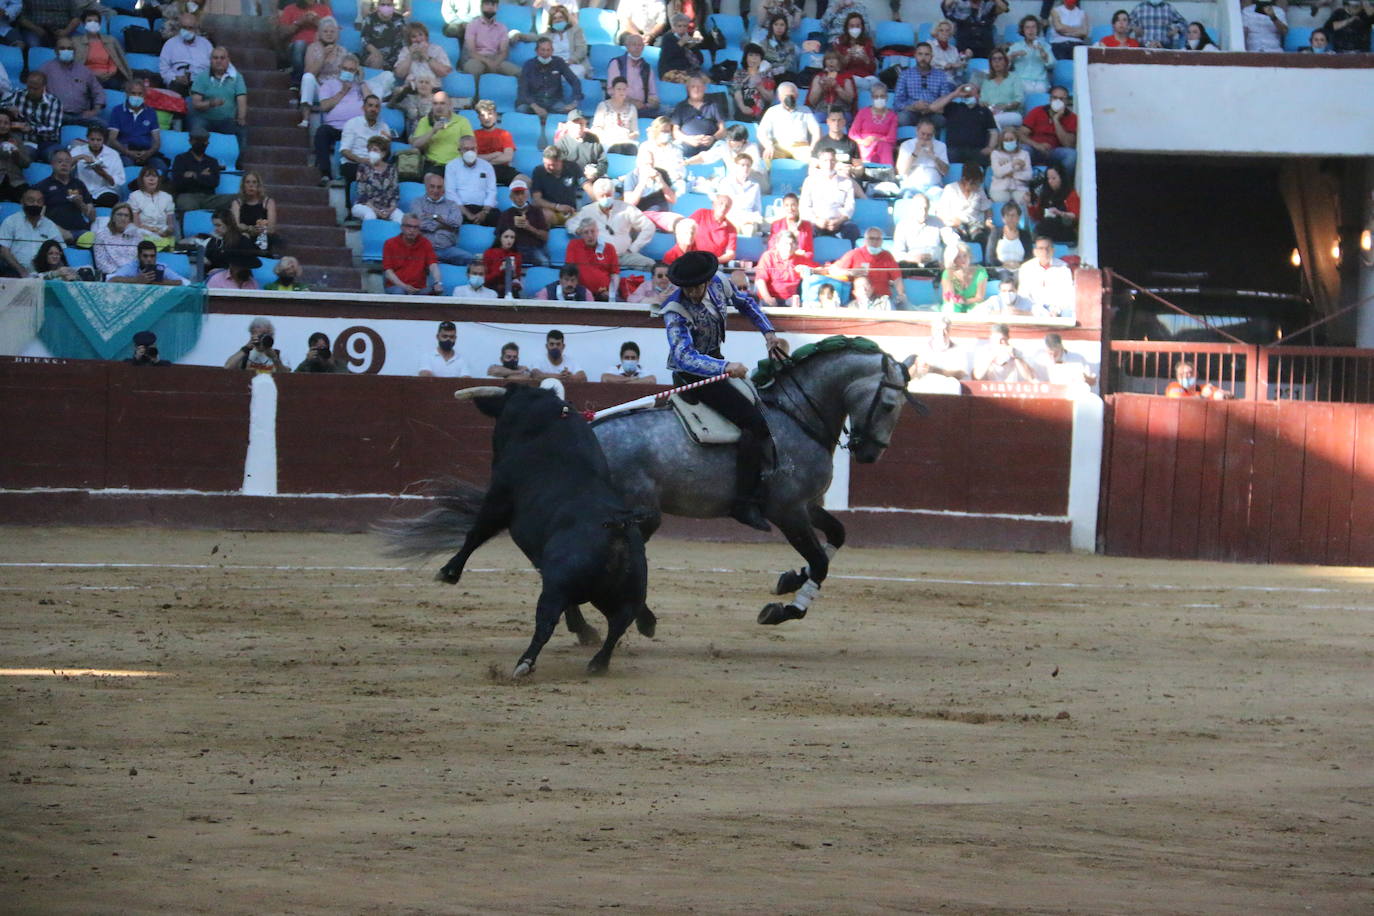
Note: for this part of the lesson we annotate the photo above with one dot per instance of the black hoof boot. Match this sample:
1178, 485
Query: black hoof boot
775, 613
751, 514
448, 575
646, 623
790, 581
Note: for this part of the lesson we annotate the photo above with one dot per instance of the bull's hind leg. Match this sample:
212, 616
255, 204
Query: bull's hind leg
587, 635
833, 530
618, 618
803, 538
552, 601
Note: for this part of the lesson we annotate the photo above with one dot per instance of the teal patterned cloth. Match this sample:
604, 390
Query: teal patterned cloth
99, 320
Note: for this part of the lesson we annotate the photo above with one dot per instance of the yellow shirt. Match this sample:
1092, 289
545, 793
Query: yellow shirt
443, 146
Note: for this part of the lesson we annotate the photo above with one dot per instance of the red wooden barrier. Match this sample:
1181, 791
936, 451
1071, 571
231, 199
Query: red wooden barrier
1279, 482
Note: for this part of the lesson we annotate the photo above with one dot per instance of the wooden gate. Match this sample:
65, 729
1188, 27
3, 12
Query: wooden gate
1263, 482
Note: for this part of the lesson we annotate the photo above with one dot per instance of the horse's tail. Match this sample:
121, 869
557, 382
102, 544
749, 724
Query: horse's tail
440, 529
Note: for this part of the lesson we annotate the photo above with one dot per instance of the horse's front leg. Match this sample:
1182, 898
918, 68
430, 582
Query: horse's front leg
833, 530
803, 538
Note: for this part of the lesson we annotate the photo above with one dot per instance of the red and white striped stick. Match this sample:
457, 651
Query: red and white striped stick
650, 400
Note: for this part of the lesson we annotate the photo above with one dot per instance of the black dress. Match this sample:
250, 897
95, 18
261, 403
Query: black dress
249, 214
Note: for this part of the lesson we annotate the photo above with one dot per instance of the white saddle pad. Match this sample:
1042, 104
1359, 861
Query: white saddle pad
706, 426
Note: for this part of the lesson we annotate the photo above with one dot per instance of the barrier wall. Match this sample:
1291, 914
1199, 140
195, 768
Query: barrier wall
1275, 482
111, 443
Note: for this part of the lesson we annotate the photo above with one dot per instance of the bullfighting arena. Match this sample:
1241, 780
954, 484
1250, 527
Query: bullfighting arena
288, 724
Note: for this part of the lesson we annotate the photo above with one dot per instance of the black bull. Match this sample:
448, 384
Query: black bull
551, 486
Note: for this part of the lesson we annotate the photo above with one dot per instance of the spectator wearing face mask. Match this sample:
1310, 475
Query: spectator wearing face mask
540, 87
66, 200
319, 357
623, 226
355, 140
486, 44
100, 53
471, 183
82, 96
195, 176
378, 185
98, 167
788, 130
184, 57
1186, 384
134, 130
872, 272
641, 85
1007, 300
1199, 39
384, 36
875, 129
568, 287
440, 219
23, 233
528, 223
239, 273
628, 370
656, 290
1051, 131
288, 271
444, 361
509, 366
342, 98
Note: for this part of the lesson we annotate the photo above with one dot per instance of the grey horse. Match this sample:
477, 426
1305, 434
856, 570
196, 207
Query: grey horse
658, 468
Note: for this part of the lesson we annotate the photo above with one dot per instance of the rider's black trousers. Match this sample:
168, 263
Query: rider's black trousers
754, 436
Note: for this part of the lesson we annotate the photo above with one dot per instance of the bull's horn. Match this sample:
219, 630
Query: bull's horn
554, 385
480, 391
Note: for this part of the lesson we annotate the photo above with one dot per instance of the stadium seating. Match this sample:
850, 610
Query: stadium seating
811, 285
600, 56
557, 244
873, 212
455, 278
830, 248
599, 26
375, 232
1295, 40
475, 239
749, 248
1098, 32
671, 94
520, 51
894, 35
40, 56
618, 165
461, 85
921, 292
536, 278
500, 89
12, 57
516, 17
410, 191
1063, 74
658, 246
267, 273
732, 27
196, 222
787, 175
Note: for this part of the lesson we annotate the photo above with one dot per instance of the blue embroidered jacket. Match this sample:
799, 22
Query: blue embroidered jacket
698, 329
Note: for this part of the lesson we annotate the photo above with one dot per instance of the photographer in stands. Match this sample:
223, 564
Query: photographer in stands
320, 356
145, 351
260, 352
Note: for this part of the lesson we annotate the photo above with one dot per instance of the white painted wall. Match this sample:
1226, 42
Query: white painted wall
1232, 111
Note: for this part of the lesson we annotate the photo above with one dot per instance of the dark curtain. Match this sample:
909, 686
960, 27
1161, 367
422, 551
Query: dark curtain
1312, 198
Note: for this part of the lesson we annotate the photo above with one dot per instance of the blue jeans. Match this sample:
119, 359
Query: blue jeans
454, 255
534, 256
1064, 156
398, 291
298, 58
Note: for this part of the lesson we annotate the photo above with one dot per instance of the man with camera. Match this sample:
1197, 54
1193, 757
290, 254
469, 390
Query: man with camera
147, 271
320, 356
145, 351
260, 353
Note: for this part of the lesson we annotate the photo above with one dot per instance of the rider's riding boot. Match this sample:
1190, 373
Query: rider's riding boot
748, 508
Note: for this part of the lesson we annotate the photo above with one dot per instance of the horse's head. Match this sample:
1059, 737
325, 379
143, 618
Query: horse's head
874, 404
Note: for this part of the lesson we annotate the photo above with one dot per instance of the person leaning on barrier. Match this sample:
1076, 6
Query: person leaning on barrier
1186, 384
629, 369
260, 353
509, 367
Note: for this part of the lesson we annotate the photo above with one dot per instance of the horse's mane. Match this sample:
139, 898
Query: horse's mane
768, 369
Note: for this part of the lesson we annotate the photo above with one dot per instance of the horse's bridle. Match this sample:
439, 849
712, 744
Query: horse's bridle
861, 434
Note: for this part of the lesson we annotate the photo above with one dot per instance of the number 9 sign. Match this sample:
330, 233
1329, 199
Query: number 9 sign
361, 349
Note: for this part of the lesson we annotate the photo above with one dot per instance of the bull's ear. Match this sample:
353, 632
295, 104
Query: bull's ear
487, 398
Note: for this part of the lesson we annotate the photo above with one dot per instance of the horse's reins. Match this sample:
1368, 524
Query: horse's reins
827, 439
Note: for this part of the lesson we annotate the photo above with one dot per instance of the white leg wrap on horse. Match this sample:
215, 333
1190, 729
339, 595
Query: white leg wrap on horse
831, 550
805, 595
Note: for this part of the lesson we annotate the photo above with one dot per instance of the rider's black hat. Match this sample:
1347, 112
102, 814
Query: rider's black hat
693, 268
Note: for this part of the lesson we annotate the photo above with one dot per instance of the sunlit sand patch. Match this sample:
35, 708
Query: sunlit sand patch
76, 672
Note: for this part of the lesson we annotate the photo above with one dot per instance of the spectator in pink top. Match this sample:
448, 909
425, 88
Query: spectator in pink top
875, 129
238, 275
486, 44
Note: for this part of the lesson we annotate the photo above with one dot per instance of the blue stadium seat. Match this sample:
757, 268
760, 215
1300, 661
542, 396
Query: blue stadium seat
346, 11
687, 204
1097, 33
807, 27
113, 99
1035, 100
956, 170
670, 94
72, 132
79, 257
139, 62
923, 31
724, 54
704, 170
470, 115
409, 191
228, 184
658, 246
1012, 33
600, 56
536, 278
1064, 250
223, 147
1295, 40
517, 17
811, 286
525, 129
592, 96
830, 248
12, 57
196, 222
267, 273
749, 248
37, 172
455, 278
118, 24
500, 89
921, 292
651, 55
431, 14
475, 239
1063, 74
37, 58
557, 244
732, 27
894, 35
787, 175
460, 85
451, 46
375, 232
527, 158
395, 119
619, 165
179, 263
599, 27
977, 65
520, 51
350, 39
176, 142
873, 212
975, 250
9, 208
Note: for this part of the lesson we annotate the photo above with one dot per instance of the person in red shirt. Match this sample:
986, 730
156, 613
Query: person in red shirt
296, 26
776, 279
792, 222
1121, 32
1186, 385
597, 260
1051, 131
495, 145
715, 233
407, 259
873, 273
495, 260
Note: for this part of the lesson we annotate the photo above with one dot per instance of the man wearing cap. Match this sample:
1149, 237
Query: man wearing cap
695, 319
540, 87
531, 228
145, 351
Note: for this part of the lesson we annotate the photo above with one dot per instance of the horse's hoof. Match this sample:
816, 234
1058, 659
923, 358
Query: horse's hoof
447, 575
598, 666
646, 623
775, 613
790, 581
523, 669
588, 636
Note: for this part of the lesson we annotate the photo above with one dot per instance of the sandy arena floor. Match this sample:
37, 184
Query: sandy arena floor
961, 732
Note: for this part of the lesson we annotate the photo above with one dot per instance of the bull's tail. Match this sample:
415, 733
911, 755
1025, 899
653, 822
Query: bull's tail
439, 530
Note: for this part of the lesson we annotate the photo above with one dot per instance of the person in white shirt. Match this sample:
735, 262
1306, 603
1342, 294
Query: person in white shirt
917, 239
1047, 281
788, 129
746, 200
555, 364
357, 131
1265, 25
1059, 366
827, 199
98, 167
922, 161
445, 362
1006, 301
471, 184
624, 226
629, 368
476, 287
999, 361
938, 363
